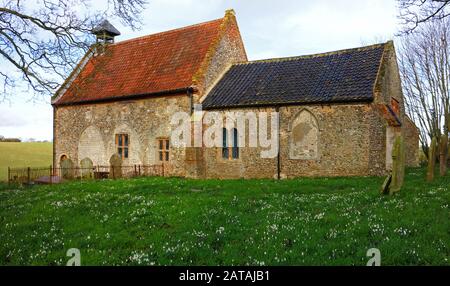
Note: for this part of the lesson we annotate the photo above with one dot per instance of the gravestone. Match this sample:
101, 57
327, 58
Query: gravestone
67, 169
386, 185
398, 165
115, 170
394, 182
86, 168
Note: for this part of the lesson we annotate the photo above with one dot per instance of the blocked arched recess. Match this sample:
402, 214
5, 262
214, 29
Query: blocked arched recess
62, 157
304, 136
135, 154
92, 146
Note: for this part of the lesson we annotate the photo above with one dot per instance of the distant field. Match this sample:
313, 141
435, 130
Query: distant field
23, 155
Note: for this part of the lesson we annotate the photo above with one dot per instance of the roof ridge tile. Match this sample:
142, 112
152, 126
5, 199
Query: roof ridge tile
165, 32
317, 55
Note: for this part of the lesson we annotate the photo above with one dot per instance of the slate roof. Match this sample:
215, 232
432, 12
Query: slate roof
152, 64
341, 76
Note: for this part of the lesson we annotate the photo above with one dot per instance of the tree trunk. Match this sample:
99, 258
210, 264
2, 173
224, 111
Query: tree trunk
443, 154
431, 160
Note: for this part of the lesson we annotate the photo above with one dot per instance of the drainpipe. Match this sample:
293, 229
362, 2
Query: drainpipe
54, 139
191, 100
277, 109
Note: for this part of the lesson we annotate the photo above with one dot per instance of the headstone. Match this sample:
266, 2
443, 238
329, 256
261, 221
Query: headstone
86, 168
67, 169
386, 185
115, 170
398, 165
431, 160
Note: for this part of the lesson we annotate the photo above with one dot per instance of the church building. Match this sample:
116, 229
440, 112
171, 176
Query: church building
337, 113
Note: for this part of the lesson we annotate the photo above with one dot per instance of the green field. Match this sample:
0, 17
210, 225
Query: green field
162, 221
23, 155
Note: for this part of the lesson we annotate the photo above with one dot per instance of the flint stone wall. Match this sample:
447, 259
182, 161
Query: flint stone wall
88, 131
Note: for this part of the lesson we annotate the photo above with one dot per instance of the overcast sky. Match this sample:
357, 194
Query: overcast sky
270, 28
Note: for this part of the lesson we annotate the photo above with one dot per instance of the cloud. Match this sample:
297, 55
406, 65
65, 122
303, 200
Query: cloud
323, 26
11, 119
270, 28
162, 15
25, 119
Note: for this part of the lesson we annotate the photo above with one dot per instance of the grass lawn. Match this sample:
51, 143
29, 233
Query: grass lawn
160, 221
31, 154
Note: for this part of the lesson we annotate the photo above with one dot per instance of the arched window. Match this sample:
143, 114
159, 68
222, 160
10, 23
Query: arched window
225, 150
230, 152
235, 147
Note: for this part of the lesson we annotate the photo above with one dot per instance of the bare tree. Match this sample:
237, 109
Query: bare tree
425, 70
416, 12
41, 42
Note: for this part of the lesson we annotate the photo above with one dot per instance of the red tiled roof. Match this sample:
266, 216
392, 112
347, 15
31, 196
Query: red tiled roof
151, 64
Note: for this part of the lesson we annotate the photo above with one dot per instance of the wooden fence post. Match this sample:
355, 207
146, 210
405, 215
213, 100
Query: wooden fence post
135, 170
9, 175
139, 170
28, 176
